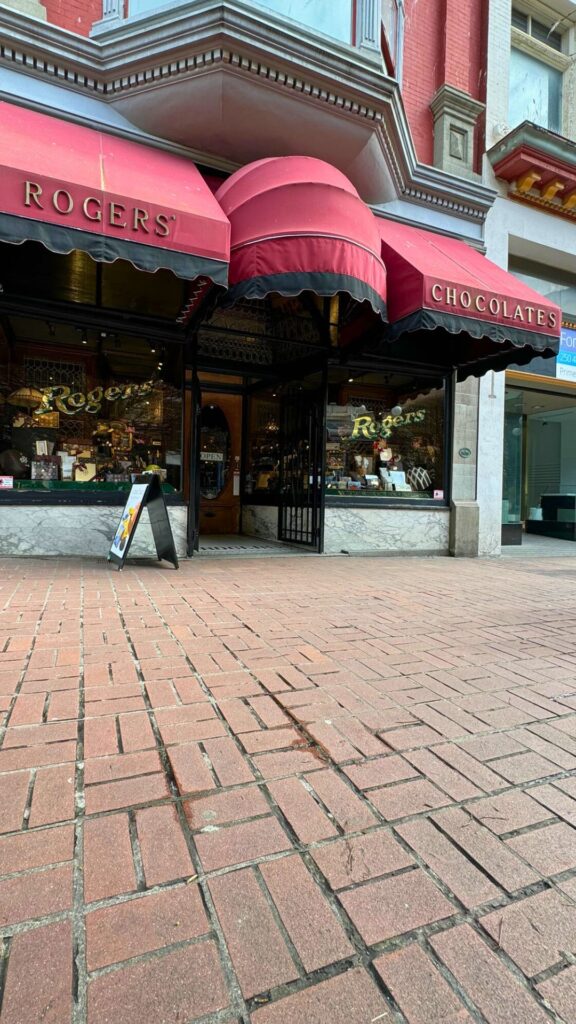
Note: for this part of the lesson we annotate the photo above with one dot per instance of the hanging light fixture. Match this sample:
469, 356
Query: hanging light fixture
27, 398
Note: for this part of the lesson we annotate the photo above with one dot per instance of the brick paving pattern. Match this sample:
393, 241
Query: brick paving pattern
288, 791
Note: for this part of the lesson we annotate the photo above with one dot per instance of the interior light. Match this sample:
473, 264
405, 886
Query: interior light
396, 410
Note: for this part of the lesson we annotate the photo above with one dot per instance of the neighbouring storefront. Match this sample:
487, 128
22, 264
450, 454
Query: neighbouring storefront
539, 485
285, 361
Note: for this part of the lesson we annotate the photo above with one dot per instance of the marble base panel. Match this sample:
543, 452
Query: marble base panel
85, 530
384, 530
260, 521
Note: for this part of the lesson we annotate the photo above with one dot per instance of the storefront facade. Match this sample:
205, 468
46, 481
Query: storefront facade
288, 369
293, 343
539, 479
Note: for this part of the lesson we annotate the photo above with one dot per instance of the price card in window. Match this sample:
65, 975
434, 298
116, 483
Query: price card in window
439, 495
6, 483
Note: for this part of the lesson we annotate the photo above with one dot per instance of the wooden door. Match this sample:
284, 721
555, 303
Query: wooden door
219, 463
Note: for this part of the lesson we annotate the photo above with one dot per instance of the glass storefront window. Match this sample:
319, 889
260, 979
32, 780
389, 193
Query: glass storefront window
385, 440
513, 448
539, 456
214, 452
85, 410
263, 445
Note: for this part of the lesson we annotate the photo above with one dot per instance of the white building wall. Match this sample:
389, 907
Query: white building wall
514, 229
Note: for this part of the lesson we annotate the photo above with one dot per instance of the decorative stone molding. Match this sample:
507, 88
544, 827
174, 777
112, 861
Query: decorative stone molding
455, 116
32, 8
368, 27
539, 168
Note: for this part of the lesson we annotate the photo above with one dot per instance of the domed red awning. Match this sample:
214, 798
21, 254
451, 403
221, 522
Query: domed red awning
299, 224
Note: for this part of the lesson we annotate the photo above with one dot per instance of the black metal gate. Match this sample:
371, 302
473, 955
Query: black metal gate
301, 447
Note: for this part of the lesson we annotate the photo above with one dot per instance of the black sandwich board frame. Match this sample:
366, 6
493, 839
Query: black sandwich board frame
146, 492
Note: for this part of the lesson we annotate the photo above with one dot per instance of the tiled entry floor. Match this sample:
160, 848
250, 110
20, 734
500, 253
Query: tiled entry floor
240, 545
288, 791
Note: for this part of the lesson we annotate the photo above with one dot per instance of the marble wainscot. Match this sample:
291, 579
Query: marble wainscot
81, 530
260, 521
397, 531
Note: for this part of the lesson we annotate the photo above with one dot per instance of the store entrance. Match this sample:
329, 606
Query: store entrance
220, 450
256, 464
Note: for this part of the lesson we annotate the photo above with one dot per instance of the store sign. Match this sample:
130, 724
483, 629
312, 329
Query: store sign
6, 483
469, 302
365, 426
566, 358
212, 456
97, 210
61, 398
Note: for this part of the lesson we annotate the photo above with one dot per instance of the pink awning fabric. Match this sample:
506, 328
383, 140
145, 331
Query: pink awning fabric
440, 282
71, 187
298, 224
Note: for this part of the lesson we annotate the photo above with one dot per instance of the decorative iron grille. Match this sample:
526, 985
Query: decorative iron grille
43, 373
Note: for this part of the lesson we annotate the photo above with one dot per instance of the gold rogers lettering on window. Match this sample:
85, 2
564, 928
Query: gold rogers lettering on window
469, 302
98, 210
61, 398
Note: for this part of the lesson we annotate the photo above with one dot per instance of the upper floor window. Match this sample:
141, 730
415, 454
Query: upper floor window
538, 62
535, 92
325, 16
536, 29
392, 35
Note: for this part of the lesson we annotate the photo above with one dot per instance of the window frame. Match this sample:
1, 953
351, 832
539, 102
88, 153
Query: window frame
548, 55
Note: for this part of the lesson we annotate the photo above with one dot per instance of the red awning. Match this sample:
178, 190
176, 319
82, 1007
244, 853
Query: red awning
298, 224
72, 187
438, 282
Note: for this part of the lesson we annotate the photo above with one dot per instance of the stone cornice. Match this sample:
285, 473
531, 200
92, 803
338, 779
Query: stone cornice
204, 36
539, 167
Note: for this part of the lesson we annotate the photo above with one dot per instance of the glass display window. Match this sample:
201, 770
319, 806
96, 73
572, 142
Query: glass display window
215, 445
385, 438
263, 445
88, 410
539, 453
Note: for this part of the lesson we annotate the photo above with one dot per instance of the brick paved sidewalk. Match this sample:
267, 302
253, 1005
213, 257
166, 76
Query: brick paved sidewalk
288, 791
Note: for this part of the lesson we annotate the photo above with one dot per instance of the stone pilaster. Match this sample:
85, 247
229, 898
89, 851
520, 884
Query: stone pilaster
455, 115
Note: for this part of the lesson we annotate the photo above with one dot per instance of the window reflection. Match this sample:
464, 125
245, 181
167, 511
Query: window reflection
385, 441
326, 16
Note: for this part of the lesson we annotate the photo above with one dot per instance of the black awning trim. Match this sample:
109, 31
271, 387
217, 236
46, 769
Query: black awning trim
103, 249
291, 284
429, 320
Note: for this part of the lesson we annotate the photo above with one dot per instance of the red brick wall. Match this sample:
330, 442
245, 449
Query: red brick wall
75, 15
444, 41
